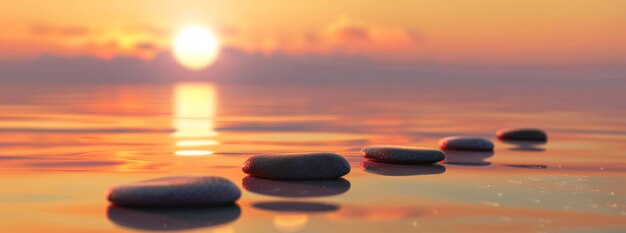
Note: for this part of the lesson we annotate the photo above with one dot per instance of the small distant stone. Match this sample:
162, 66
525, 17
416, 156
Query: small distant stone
297, 166
522, 134
465, 143
402, 154
176, 191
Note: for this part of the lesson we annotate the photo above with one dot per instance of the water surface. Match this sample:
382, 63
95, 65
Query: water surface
62, 147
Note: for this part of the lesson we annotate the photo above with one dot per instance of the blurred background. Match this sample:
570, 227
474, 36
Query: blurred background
490, 41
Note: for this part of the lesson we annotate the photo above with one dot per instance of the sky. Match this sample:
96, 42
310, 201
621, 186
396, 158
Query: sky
485, 32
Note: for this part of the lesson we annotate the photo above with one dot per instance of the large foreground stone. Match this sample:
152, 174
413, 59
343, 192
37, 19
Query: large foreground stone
297, 166
402, 154
176, 191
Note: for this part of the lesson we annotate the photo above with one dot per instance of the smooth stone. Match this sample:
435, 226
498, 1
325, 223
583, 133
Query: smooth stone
176, 191
296, 188
386, 169
522, 134
297, 166
402, 154
465, 143
172, 219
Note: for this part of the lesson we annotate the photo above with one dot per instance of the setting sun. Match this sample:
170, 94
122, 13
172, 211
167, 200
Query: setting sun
195, 47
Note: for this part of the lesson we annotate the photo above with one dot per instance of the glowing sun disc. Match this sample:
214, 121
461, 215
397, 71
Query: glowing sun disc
195, 47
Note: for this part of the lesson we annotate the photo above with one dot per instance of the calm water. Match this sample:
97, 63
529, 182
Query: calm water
62, 147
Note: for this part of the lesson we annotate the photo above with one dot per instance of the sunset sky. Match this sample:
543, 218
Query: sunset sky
529, 32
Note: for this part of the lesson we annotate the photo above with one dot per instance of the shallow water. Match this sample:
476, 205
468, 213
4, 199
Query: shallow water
63, 146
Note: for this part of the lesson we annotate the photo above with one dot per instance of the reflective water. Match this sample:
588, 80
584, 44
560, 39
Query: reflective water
63, 146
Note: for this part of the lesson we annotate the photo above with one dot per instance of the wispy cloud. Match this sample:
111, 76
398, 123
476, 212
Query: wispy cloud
148, 29
348, 35
40, 29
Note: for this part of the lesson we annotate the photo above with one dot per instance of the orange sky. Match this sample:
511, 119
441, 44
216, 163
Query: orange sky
560, 32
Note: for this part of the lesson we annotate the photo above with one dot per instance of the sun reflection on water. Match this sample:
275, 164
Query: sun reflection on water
290, 222
193, 152
195, 106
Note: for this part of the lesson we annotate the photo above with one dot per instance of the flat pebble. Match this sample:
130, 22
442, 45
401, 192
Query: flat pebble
402, 154
465, 143
297, 166
522, 134
176, 191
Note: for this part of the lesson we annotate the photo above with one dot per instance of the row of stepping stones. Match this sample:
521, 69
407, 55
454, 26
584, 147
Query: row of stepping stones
194, 191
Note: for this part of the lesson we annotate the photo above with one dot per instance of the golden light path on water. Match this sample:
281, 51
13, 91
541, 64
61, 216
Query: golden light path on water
288, 223
194, 112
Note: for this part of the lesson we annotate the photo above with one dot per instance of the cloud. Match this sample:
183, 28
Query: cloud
351, 36
147, 29
343, 36
311, 38
349, 30
146, 46
105, 49
238, 66
61, 31
146, 49
354, 33
228, 31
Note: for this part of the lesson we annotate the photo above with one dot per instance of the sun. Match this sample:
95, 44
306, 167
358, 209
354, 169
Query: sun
196, 47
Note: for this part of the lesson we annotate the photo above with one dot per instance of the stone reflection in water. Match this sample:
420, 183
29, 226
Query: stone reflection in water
296, 206
288, 223
386, 169
529, 166
172, 219
195, 107
525, 145
468, 158
296, 188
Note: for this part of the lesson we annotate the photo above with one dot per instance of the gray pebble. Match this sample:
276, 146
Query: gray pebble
402, 154
465, 143
522, 134
297, 166
176, 191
